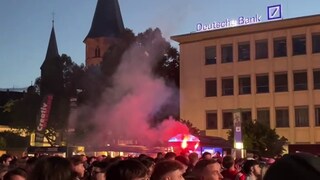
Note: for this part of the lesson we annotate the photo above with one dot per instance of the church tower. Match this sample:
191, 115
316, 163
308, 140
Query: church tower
106, 28
51, 68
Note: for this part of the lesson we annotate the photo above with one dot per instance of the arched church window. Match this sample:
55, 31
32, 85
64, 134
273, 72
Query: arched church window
97, 52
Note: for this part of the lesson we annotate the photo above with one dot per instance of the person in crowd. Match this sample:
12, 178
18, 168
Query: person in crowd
251, 170
159, 157
15, 174
30, 164
3, 171
217, 156
193, 159
98, 170
5, 160
130, 169
168, 170
206, 155
170, 156
294, 166
78, 166
208, 169
229, 172
183, 159
149, 162
52, 168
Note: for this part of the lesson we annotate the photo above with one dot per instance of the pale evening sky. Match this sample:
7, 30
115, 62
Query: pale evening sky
26, 24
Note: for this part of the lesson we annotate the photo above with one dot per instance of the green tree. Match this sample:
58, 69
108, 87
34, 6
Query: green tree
260, 139
24, 113
192, 129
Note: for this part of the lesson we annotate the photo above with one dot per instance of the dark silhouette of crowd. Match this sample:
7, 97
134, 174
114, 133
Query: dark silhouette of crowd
165, 166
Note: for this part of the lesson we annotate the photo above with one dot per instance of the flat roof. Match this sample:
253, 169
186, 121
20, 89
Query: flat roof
247, 29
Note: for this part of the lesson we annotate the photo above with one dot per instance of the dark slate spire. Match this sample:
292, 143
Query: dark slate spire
52, 51
107, 20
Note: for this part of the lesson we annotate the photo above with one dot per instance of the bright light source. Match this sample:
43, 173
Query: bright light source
239, 145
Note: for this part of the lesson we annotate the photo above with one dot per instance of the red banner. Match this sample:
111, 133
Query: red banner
43, 119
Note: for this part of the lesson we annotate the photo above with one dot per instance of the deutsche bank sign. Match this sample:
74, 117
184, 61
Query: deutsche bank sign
273, 13
229, 23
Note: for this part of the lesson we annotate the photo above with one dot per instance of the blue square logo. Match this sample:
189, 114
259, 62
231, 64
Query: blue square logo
274, 12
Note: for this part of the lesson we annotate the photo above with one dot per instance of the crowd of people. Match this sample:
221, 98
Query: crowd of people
165, 166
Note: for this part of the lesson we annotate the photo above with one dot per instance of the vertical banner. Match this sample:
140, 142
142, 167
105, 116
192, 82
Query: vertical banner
43, 119
237, 130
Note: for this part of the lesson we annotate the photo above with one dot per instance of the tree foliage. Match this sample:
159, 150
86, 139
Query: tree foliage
192, 129
25, 113
260, 139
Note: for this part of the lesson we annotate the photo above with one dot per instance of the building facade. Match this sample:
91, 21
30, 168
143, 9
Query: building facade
270, 72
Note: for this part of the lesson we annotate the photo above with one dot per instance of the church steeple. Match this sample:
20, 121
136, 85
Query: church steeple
106, 27
107, 20
52, 51
51, 68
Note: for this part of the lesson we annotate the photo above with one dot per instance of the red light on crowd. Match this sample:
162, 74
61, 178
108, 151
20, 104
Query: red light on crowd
185, 142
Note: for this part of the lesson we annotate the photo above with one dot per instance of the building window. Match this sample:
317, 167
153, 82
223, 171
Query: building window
212, 121
280, 47
315, 43
301, 117
300, 81
211, 87
227, 120
211, 55
246, 116
262, 49
244, 85
97, 52
244, 51
227, 87
281, 82
226, 53
262, 82
263, 116
299, 45
316, 79
282, 117
317, 116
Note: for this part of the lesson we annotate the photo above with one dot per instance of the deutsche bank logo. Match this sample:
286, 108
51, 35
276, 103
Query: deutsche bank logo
274, 12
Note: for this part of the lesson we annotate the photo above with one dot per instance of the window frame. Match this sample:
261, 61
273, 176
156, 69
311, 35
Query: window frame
261, 45
279, 87
242, 47
214, 124
227, 91
227, 123
243, 88
296, 42
315, 43
298, 122
263, 88
284, 122
317, 116
259, 119
225, 58
278, 49
211, 93
303, 84
210, 60
316, 81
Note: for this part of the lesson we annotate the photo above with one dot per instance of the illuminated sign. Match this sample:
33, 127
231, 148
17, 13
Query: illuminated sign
274, 12
229, 23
